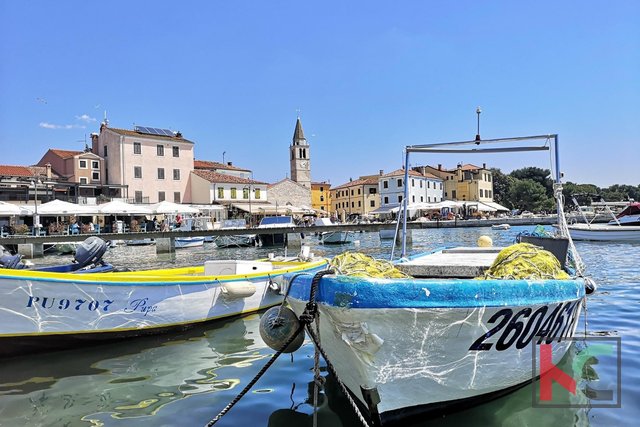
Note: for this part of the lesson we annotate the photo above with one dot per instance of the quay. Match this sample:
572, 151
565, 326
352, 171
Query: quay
32, 246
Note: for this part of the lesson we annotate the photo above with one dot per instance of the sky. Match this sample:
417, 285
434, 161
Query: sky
366, 77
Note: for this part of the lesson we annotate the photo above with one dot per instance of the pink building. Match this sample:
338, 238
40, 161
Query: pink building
154, 164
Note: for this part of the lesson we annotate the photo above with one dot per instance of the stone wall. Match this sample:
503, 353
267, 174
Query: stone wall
289, 192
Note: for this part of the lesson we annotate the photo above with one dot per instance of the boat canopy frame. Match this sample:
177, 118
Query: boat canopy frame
550, 142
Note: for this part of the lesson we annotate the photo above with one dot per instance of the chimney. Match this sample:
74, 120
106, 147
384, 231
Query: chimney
439, 166
48, 166
350, 179
229, 163
381, 172
178, 134
484, 166
459, 165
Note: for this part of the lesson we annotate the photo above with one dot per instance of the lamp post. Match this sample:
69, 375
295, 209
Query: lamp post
478, 111
36, 219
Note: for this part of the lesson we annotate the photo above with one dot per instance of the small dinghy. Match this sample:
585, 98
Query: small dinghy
500, 227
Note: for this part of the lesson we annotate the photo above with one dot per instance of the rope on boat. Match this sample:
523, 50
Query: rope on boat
309, 315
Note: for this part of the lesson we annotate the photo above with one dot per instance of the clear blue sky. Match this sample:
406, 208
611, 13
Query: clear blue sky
369, 78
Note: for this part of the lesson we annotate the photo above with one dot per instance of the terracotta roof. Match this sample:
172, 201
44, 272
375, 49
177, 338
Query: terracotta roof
206, 164
221, 177
24, 171
127, 132
370, 180
467, 167
65, 154
401, 172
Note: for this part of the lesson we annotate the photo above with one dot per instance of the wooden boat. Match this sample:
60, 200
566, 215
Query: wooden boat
234, 240
442, 340
46, 310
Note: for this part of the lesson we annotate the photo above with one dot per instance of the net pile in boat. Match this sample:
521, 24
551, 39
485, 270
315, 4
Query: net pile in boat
525, 261
360, 265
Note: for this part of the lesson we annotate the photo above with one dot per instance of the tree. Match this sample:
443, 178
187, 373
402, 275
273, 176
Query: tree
539, 175
526, 194
501, 187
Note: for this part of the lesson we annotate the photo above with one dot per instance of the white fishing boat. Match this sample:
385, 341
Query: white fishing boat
188, 242
234, 240
332, 237
500, 227
274, 239
48, 310
630, 216
441, 339
605, 232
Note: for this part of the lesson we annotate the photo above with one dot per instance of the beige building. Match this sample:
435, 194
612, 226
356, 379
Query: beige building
288, 192
154, 164
209, 187
464, 183
357, 197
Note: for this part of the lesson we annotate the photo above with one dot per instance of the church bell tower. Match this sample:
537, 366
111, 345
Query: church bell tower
300, 159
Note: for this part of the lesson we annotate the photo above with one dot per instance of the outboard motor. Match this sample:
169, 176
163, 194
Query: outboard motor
12, 262
90, 251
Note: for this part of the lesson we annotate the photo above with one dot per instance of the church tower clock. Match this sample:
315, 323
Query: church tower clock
300, 157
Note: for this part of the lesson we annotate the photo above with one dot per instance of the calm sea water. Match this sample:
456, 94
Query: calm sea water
187, 378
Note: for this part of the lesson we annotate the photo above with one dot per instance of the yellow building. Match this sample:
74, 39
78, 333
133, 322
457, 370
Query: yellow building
464, 183
357, 197
321, 197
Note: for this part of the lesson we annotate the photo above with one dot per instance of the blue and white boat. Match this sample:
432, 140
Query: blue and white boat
443, 340
333, 237
234, 240
283, 222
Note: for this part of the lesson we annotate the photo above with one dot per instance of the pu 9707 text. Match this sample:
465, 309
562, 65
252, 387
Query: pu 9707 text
69, 304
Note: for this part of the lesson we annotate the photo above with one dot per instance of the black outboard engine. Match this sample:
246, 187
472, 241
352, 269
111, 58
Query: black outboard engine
90, 251
12, 262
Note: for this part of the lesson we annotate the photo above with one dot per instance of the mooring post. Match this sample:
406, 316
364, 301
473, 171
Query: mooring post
165, 245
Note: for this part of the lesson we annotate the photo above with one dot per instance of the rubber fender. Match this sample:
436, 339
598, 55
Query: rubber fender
239, 289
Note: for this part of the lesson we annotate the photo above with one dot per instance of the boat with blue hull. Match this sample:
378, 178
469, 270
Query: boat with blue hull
452, 327
48, 310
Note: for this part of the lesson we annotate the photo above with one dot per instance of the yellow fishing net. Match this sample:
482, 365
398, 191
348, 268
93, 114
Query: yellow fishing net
361, 265
525, 261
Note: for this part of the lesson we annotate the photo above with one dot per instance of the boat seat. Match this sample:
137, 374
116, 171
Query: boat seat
461, 262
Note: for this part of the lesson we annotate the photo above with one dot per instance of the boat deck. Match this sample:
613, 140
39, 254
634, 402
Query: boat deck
462, 262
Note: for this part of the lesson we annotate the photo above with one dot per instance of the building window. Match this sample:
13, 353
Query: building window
256, 193
84, 180
372, 203
176, 197
441, 186
138, 197
352, 192
322, 198
481, 192
429, 184
321, 189
413, 199
399, 199
160, 173
421, 183
245, 193
176, 174
234, 193
104, 151
176, 151
386, 200
137, 148
429, 199
161, 196
399, 182
358, 191
137, 171
220, 193
160, 149
353, 204
385, 184
359, 204
421, 199
373, 190
95, 176
413, 182
83, 164
95, 164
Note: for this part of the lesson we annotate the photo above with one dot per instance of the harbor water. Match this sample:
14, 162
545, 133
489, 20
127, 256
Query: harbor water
185, 379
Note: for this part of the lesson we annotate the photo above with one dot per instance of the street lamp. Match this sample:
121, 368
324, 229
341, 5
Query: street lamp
36, 219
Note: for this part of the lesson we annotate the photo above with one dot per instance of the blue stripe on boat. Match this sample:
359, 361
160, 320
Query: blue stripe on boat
358, 292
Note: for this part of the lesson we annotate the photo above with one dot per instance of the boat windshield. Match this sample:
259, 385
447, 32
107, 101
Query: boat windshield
234, 223
632, 209
274, 220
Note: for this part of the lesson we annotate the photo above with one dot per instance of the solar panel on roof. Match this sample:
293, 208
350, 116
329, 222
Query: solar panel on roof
154, 131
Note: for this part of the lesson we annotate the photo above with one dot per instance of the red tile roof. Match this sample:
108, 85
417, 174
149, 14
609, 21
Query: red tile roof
23, 171
370, 180
206, 164
127, 132
65, 154
224, 178
401, 172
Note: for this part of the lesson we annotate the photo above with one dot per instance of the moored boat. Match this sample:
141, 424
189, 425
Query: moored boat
630, 216
234, 240
274, 239
500, 227
333, 237
605, 232
48, 310
188, 242
459, 328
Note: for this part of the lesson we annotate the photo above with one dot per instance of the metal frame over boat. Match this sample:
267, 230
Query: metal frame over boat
442, 339
47, 310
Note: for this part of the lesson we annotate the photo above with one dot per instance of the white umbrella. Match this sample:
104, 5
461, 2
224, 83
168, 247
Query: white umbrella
7, 209
172, 208
58, 207
118, 207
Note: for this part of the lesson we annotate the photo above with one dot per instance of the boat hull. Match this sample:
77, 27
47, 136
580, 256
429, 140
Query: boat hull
188, 242
428, 344
336, 237
235, 240
60, 308
598, 232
